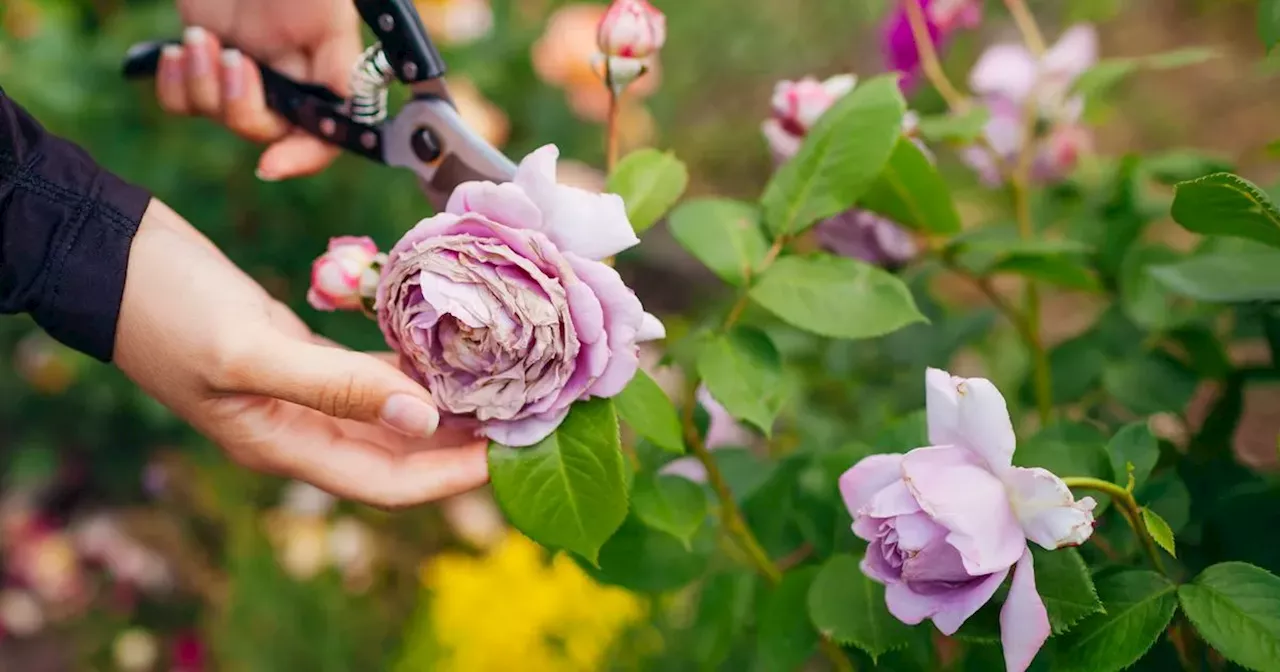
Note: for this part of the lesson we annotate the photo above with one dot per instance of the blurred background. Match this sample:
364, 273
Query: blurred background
128, 543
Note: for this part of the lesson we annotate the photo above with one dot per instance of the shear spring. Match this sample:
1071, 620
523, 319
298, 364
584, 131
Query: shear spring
369, 80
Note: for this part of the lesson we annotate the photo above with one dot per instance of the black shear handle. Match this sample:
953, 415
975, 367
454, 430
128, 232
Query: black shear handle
404, 40
312, 107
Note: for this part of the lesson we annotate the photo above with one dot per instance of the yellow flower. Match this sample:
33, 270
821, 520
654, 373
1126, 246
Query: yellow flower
514, 609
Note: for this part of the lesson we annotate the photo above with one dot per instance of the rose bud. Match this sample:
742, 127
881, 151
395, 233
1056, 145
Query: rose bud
631, 29
502, 308
344, 275
864, 235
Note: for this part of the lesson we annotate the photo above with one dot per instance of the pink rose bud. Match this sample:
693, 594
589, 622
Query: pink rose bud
797, 106
631, 29
338, 277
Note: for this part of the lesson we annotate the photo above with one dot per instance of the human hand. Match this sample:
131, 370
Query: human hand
204, 339
308, 40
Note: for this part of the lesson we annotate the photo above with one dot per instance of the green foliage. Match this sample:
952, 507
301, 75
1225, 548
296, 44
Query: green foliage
849, 608
649, 182
1223, 204
1109, 72
836, 297
742, 369
1138, 605
723, 234
840, 159
911, 192
1269, 22
647, 410
1228, 276
1235, 606
1063, 581
1159, 530
568, 490
784, 638
670, 504
1133, 447
965, 127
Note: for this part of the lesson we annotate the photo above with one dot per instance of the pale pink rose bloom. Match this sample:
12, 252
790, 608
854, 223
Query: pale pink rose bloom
631, 29
501, 305
339, 275
948, 523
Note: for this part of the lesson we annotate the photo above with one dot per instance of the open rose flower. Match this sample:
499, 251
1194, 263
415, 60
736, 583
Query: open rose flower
502, 308
949, 522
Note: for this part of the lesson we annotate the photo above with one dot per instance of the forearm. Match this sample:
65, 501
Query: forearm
66, 226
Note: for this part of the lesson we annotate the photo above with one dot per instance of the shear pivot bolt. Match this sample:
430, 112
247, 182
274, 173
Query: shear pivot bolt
328, 126
410, 70
386, 22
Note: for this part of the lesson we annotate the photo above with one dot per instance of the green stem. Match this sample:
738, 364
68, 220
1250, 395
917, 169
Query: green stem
735, 524
1128, 507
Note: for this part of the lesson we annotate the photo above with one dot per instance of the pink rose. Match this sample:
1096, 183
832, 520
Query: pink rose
631, 29
942, 19
797, 106
947, 523
502, 308
344, 275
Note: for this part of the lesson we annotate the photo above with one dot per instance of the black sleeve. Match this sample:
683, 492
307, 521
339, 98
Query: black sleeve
65, 230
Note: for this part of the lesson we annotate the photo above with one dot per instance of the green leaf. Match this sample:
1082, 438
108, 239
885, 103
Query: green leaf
1159, 530
1109, 72
841, 157
1269, 22
984, 251
784, 638
743, 371
569, 490
647, 410
642, 559
1144, 299
1063, 271
836, 297
1236, 608
1149, 384
1139, 605
960, 128
1229, 276
1063, 581
848, 607
912, 193
724, 608
1133, 444
723, 234
649, 182
670, 504
1223, 204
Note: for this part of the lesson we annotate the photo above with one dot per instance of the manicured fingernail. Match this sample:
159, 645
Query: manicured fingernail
232, 73
266, 175
410, 415
195, 37
171, 63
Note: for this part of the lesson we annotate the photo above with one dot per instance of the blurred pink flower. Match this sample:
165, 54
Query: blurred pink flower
188, 653
943, 17
456, 22
866, 236
1006, 76
341, 277
796, 106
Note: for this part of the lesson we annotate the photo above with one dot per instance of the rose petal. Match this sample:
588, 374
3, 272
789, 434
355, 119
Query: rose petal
622, 317
961, 494
917, 530
783, 144
893, 500
874, 566
868, 477
948, 609
504, 203
1024, 622
524, 432
1074, 53
1049, 514
592, 225
1007, 70
985, 427
651, 329
941, 407
686, 467
939, 561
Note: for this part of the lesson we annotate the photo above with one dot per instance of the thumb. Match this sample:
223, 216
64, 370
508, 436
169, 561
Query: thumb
340, 383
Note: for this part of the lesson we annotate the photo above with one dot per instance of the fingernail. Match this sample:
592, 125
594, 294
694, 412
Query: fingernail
410, 415
195, 37
171, 62
232, 73
266, 175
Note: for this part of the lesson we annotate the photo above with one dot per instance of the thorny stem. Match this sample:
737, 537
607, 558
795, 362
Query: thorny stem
1128, 507
735, 525
1027, 26
929, 56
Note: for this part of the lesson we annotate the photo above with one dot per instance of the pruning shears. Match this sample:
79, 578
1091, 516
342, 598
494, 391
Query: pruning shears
426, 136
